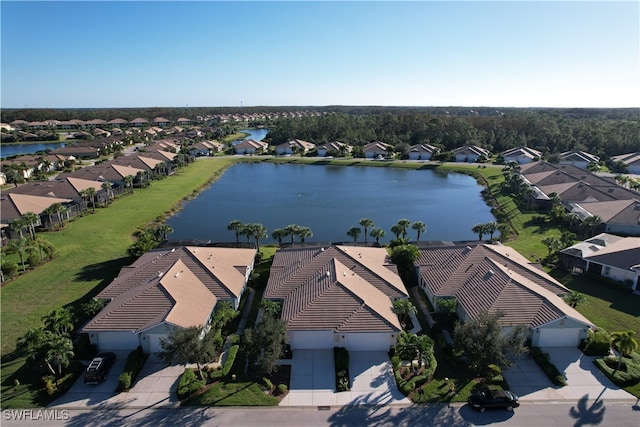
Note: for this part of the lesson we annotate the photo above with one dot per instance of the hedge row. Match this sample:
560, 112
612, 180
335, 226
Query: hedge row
189, 383
542, 359
597, 343
228, 364
58, 386
628, 375
135, 362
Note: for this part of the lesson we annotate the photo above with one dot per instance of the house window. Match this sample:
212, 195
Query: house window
607, 270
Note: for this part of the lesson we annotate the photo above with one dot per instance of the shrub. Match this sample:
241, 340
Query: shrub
628, 376
189, 383
228, 364
597, 343
282, 389
341, 361
542, 359
58, 386
267, 383
124, 381
135, 362
34, 259
9, 269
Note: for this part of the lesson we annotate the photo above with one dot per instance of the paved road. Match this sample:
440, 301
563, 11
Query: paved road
582, 413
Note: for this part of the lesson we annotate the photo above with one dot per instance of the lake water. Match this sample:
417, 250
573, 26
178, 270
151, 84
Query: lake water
8, 150
332, 199
255, 134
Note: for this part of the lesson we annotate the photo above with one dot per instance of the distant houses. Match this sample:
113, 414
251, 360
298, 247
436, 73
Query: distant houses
521, 155
471, 154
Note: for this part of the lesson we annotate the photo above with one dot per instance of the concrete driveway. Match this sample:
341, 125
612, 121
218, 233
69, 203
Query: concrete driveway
156, 387
313, 380
584, 379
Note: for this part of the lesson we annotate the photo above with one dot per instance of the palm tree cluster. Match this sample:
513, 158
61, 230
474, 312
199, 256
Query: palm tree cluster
488, 228
149, 238
30, 247
628, 182
258, 232
400, 230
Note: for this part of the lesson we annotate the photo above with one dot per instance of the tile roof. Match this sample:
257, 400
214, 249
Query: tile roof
495, 278
625, 212
179, 286
37, 204
340, 288
624, 254
628, 159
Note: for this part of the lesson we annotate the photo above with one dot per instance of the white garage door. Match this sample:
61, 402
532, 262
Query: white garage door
110, 341
154, 342
311, 339
559, 337
368, 341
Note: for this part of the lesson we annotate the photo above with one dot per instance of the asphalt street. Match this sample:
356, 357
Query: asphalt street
582, 413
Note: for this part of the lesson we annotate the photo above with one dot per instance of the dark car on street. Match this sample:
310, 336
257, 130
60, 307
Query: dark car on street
99, 367
493, 399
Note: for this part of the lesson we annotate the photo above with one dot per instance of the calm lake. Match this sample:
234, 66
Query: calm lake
332, 199
8, 150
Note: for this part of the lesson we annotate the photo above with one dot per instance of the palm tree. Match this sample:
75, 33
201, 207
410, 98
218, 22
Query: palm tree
60, 352
491, 228
425, 350
31, 220
247, 231
42, 246
625, 344
107, 187
50, 211
278, 234
479, 229
60, 209
591, 223
20, 246
354, 232
291, 230
404, 224
419, 227
59, 321
574, 299
236, 226
303, 233
397, 230
258, 231
128, 182
366, 223
407, 346
271, 307
552, 244
17, 225
91, 194
404, 308
30, 342
162, 231
377, 233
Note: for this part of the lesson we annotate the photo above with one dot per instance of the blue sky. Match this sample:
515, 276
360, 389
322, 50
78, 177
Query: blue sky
144, 54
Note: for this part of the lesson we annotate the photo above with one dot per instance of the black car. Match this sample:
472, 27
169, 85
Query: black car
99, 367
490, 399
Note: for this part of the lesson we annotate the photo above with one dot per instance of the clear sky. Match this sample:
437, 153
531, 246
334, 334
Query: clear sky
167, 54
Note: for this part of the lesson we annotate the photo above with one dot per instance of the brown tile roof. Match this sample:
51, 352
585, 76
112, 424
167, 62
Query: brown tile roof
37, 204
180, 286
616, 211
495, 278
339, 288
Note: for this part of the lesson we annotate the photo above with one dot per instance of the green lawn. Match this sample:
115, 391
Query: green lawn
91, 249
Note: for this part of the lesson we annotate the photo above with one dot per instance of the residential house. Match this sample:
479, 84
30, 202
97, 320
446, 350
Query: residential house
251, 146
618, 216
94, 123
183, 122
294, 146
14, 205
471, 154
338, 296
497, 279
578, 158
630, 160
422, 152
206, 148
521, 155
335, 148
161, 122
139, 122
117, 123
167, 289
78, 151
376, 149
